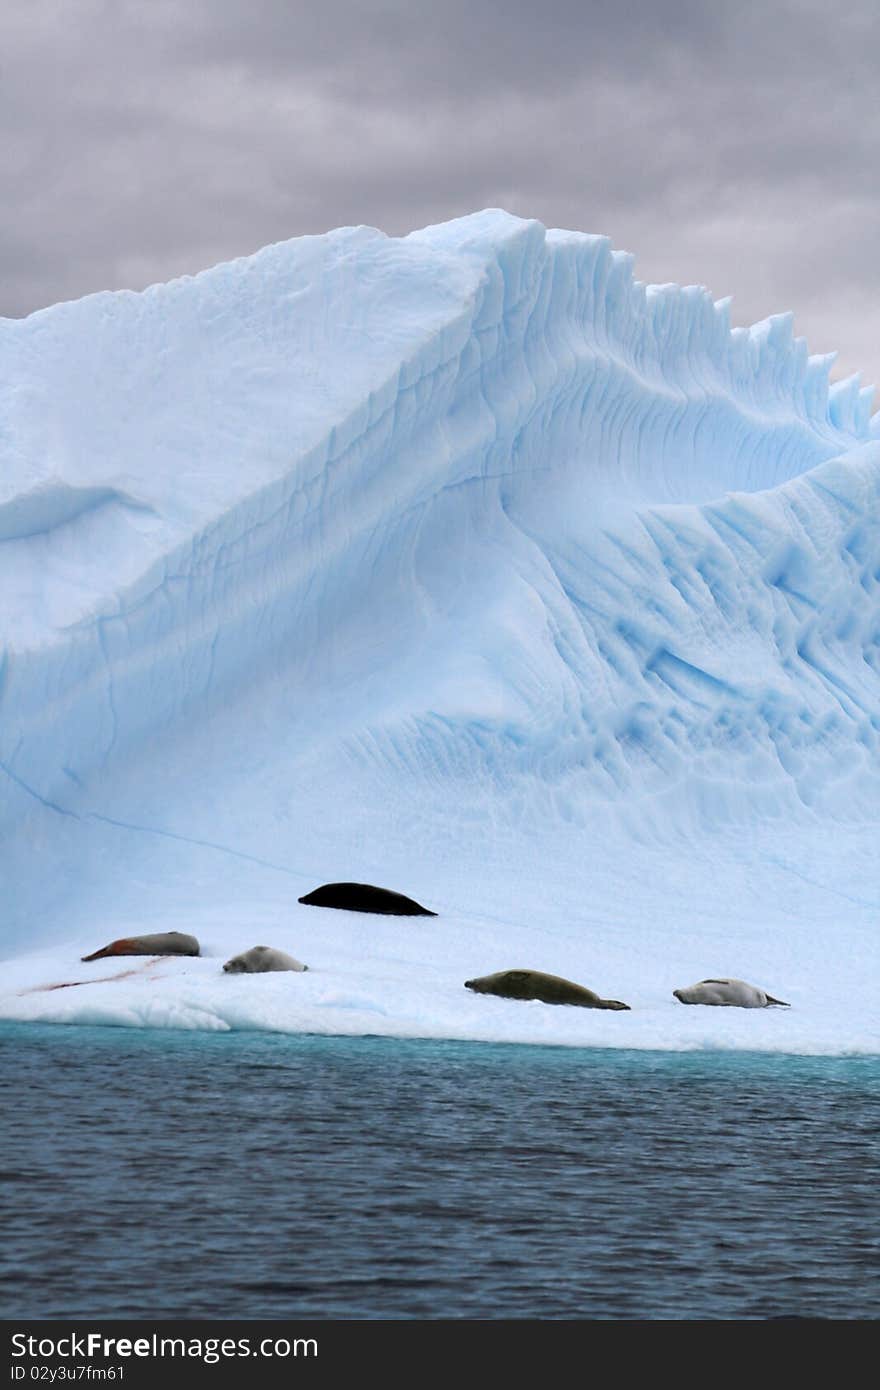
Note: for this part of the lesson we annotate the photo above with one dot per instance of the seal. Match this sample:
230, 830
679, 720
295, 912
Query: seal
533, 984
363, 897
163, 943
734, 993
261, 959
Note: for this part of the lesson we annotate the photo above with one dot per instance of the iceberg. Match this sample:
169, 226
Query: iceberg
466, 564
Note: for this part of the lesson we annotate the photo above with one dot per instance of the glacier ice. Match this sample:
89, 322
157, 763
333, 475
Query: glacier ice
462, 562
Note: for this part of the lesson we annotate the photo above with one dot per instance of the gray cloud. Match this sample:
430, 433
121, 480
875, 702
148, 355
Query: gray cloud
728, 145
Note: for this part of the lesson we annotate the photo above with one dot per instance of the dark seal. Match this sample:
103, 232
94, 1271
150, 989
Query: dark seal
363, 897
163, 943
533, 984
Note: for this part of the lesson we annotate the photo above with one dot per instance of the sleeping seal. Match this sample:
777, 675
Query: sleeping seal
532, 984
260, 959
363, 897
163, 943
736, 993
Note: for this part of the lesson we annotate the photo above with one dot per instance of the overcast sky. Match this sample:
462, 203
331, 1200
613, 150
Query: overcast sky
729, 144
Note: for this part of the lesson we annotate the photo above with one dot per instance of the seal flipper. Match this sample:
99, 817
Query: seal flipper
781, 1002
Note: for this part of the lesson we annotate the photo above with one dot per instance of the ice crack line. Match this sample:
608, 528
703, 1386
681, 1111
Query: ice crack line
150, 829
191, 840
43, 800
814, 883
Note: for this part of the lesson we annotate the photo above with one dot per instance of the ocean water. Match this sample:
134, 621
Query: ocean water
161, 1174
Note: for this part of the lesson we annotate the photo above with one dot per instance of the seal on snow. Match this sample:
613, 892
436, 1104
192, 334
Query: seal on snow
533, 984
260, 959
363, 897
734, 993
163, 943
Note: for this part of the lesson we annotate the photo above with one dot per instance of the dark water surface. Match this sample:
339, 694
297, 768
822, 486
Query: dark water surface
162, 1174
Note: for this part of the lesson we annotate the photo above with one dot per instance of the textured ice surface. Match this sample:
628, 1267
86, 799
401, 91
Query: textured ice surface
467, 565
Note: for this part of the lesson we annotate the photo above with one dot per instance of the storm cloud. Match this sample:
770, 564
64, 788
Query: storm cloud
732, 146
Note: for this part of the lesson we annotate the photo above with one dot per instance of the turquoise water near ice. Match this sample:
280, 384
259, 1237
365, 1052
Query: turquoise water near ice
157, 1174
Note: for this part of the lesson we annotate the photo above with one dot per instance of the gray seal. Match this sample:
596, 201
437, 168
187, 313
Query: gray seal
261, 959
732, 993
163, 943
533, 984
